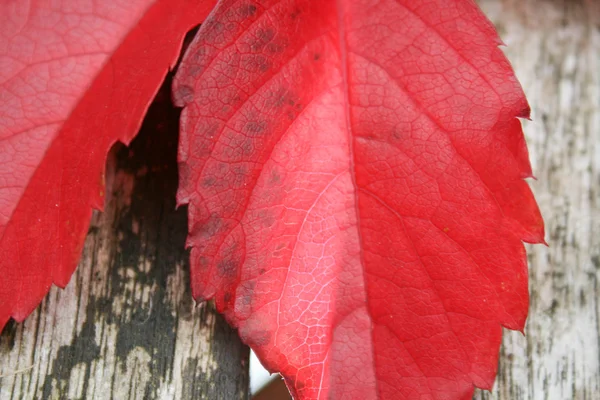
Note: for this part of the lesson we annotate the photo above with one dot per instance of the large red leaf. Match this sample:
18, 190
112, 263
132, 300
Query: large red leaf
75, 77
354, 173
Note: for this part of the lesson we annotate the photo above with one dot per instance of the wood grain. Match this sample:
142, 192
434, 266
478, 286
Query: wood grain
126, 326
554, 46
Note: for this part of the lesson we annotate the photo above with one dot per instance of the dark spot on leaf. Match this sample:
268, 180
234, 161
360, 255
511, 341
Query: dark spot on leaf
262, 271
227, 268
247, 10
246, 145
266, 218
197, 60
256, 62
203, 262
202, 145
183, 95
230, 260
209, 227
316, 57
227, 297
262, 38
247, 300
240, 172
255, 128
217, 26
274, 178
276, 47
195, 70
282, 97
244, 298
265, 67
295, 14
208, 182
396, 135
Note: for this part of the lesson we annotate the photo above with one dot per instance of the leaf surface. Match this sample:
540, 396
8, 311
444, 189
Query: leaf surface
354, 173
75, 77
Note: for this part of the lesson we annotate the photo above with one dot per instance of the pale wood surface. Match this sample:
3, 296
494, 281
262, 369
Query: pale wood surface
554, 46
126, 326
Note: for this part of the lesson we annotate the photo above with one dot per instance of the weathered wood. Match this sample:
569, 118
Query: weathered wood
554, 46
126, 326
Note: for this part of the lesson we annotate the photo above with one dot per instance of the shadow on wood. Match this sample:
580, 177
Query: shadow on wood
554, 46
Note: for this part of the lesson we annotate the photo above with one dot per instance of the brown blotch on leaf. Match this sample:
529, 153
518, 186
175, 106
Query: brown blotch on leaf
227, 268
246, 146
230, 260
247, 10
209, 182
266, 218
256, 62
296, 13
397, 134
262, 38
276, 47
244, 298
255, 128
183, 94
202, 262
281, 97
217, 26
209, 227
227, 297
274, 178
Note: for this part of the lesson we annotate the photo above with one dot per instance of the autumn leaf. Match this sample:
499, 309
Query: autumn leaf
75, 77
354, 173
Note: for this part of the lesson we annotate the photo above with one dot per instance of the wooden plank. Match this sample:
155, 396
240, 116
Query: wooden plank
126, 326
554, 46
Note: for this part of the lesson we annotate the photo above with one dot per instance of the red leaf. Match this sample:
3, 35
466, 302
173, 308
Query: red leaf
354, 173
75, 78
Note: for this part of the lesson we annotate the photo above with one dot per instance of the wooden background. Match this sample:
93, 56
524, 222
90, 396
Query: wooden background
125, 326
554, 46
